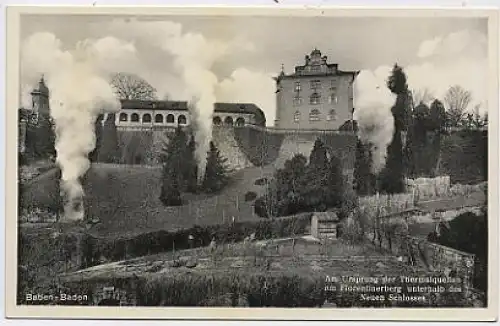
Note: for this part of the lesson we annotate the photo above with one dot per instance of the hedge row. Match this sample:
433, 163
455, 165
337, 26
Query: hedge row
93, 248
163, 241
259, 289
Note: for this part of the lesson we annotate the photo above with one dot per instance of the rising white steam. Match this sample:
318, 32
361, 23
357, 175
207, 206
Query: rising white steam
193, 57
249, 86
79, 92
373, 102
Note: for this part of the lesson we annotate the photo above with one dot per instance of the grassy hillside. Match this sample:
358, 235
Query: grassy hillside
126, 200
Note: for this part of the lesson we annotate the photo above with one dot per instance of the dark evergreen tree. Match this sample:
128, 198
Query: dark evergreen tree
191, 166
391, 178
216, 171
318, 158
172, 179
40, 137
291, 186
417, 143
109, 151
94, 155
335, 182
170, 190
364, 181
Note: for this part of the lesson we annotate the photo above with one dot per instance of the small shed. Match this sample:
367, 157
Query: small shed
324, 225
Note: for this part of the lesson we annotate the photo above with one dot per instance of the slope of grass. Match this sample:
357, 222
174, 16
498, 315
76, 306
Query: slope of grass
125, 199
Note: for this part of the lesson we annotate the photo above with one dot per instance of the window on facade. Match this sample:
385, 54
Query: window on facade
296, 116
170, 118
332, 99
217, 121
134, 117
297, 100
146, 117
240, 122
315, 84
123, 116
297, 86
315, 68
332, 115
228, 121
314, 115
159, 118
315, 98
182, 119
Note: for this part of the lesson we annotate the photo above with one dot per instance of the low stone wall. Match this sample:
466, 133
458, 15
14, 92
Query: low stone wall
439, 187
380, 205
431, 256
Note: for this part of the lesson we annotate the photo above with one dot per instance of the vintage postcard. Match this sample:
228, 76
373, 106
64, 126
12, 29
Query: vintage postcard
252, 163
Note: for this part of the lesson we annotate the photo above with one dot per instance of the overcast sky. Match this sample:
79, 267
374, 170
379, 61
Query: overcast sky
243, 53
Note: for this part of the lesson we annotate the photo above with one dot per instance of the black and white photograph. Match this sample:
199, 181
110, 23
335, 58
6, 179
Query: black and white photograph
333, 160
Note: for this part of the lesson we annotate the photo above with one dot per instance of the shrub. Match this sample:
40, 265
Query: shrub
260, 207
261, 182
251, 195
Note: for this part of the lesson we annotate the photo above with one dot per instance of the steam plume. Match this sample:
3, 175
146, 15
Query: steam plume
79, 93
373, 102
193, 57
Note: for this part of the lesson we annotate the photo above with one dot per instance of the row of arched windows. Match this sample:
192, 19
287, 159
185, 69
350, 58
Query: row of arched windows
315, 115
147, 118
228, 121
182, 120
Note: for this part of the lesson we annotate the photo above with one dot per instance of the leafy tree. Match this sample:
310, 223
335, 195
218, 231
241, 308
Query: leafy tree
132, 87
216, 171
301, 187
457, 100
437, 117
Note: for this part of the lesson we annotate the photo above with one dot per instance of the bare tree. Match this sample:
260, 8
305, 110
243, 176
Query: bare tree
132, 87
420, 96
457, 100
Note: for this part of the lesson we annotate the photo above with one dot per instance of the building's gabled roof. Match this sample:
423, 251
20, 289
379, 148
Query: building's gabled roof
354, 74
153, 105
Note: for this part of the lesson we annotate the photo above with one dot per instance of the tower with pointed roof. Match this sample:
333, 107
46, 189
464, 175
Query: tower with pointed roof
40, 99
317, 95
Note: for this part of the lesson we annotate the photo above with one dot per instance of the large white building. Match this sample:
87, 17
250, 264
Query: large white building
317, 95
